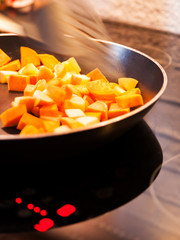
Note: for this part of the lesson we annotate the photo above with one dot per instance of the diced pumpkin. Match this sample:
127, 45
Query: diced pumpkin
101, 107
115, 110
4, 58
36, 111
50, 126
56, 93
60, 70
11, 66
96, 74
71, 89
127, 83
41, 85
94, 114
29, 69
101, 90
71, 65
78, 79
82, 88
29, 55
55, 82
11, 116
88, 120
75, 102
45, 73
42, 98
129, 100
66, 79
33, 79
17, 82
71, 123
30, 129
49, 112
29, 119
48, 60
4, 75
29, 90
28, 101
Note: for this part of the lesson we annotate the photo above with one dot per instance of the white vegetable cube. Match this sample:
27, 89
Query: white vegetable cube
74, 113
62, 129
88, 120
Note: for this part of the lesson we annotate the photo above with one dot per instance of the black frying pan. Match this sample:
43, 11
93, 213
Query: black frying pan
152, 81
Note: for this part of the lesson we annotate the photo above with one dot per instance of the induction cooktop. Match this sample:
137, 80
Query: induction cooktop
44, 195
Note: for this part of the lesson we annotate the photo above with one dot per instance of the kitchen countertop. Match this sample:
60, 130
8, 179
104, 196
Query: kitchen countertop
145, 217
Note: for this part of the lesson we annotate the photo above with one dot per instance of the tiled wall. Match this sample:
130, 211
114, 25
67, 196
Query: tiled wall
157, 14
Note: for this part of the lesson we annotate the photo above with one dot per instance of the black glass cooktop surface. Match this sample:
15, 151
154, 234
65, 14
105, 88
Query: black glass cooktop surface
58, 192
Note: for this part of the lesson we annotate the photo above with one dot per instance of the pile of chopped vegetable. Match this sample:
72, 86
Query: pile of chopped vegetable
57, 97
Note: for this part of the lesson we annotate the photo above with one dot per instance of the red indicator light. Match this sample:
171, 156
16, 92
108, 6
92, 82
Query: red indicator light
18, 200
37, 209
44, 224
43, 212
66, 210
30, 206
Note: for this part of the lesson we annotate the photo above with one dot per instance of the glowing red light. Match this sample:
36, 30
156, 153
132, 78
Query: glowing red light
18, 200
43, 212
30, 206
44, 224
37, 209
66, 210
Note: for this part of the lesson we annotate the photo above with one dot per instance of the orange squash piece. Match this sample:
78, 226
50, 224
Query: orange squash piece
101, 107
129, 100
127, 83
30, 129
50, 112
11, 116
45, 73
101, 90
50, 126
29, 55
29, 69
70, 122
4, 58
29, 90
28, 101
60, 70
48, 60
115, 110
17, 82
29, 119
56, 93
11, 66
96, 74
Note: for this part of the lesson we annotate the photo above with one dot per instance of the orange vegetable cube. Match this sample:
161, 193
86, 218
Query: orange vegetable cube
101, 90
11, 66
28, 101
56, 93
101, 107
29, 119
4, 58
29, 55
45, 73
96, 74
30, 129
41, 85
75, 102
50, 126
77, 79
29, 90
60, 70
49, 112
36, 111
11, 116
129, 100
71, 65
71, 123
17, 82
48, 60
115, 110
127, 83
71, 89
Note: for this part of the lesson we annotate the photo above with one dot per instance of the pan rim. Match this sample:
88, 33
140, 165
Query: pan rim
5, 137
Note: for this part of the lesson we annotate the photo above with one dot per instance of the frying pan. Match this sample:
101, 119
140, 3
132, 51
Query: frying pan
152, 82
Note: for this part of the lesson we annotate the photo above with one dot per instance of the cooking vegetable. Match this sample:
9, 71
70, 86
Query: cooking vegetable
11, 66
4, 58
58, 97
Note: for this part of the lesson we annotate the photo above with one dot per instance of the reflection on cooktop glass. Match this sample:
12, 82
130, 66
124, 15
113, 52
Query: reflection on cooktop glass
39, 197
